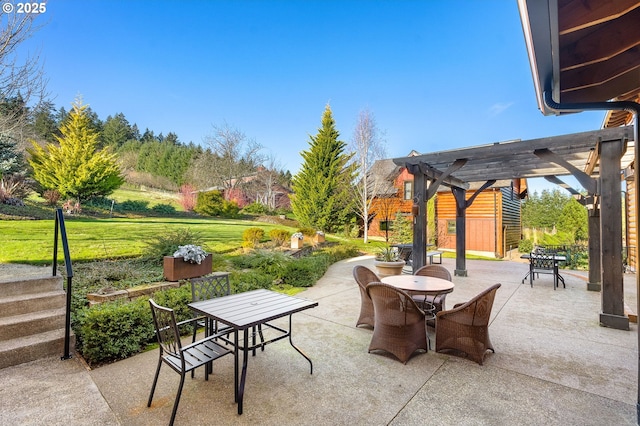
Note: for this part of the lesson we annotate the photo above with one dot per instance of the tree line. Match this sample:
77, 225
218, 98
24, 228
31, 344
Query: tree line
558, 215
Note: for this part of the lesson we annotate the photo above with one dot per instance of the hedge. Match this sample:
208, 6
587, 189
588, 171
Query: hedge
117, 330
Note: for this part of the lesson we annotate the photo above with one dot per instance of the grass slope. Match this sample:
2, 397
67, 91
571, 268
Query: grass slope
90, 239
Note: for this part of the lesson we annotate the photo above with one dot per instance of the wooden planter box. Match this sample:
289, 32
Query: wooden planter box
176, 269
296, 243
318, 238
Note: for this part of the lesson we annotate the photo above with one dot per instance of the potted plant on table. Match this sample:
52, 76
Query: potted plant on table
189, 261
388, 262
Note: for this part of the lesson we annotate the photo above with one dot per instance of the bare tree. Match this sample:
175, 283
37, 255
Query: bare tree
235, 157
368, 146
266, 184
21, 76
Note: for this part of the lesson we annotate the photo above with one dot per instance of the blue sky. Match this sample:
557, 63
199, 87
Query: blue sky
436, 74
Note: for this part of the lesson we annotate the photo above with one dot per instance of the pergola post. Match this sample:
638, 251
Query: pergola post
612, 314
461, 208
595, 277
419, 249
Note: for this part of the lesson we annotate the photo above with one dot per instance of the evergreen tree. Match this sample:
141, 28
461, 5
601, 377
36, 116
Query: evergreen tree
322, 187
116, 131
76, 168
574, 220
10, 158
44, 122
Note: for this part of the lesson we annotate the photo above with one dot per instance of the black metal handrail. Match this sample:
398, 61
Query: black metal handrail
59, 224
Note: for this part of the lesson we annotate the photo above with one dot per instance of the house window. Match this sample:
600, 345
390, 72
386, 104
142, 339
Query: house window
451, 227
385, 225
408, 190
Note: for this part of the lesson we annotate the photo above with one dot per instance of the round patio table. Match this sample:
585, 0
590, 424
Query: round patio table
420, 284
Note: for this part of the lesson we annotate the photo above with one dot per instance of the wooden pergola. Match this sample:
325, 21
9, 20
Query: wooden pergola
594, 158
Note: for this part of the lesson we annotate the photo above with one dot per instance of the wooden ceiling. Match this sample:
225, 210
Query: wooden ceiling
600, 53
599, 49
584, 51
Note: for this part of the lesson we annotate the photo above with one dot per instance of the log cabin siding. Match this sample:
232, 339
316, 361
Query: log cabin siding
631, 216
511, 220
493, 221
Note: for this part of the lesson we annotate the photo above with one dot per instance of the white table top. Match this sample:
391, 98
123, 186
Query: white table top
419, 283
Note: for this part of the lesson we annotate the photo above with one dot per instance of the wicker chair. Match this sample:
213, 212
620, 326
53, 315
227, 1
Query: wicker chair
399, 323
465, 328
181, 359
438, 302
363, 277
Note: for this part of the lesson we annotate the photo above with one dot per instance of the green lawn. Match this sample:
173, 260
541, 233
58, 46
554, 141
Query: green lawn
153, 197
31, 241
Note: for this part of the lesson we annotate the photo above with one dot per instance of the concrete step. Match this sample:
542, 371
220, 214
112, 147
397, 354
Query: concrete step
32, 323
26, 303
33, 347
30, 285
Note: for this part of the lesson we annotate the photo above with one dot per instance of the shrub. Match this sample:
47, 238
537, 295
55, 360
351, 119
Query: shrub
187, 197
250, 280
133, 206
112, 331
209, 203
167, 243
339, 252
116, 330
304, 272
99, 202
72, 207
230, 208
167, 209
279, 236
254, 208
51, 197
525, 246
307, 232
252, 236
13, 187
268, 262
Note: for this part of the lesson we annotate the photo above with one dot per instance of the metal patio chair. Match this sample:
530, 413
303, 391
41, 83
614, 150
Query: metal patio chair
205, 288
181, 359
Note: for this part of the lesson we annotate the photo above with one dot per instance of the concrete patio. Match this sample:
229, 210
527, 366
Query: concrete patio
554, 365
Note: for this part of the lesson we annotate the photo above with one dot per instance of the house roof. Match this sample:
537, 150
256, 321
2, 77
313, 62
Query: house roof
584, 52
383, 173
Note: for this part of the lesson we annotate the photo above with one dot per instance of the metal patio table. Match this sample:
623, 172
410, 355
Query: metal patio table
251, 310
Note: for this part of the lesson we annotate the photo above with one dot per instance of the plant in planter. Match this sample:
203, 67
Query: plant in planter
296, 240
388, 262
188, 261
191, 253
318, 237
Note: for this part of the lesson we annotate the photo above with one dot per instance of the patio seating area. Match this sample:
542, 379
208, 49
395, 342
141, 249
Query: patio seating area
553, 364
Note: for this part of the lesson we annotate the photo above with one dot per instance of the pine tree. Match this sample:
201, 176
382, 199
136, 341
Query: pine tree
322, 187
75, 167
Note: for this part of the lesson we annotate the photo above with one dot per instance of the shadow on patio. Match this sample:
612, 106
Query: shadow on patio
553, 365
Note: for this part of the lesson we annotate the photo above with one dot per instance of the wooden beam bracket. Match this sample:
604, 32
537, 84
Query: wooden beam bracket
589, 183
